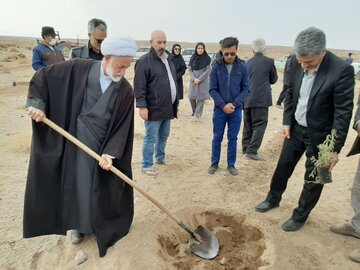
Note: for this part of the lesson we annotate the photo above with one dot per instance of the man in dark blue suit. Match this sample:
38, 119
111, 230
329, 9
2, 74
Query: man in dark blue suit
319, 99
262, 74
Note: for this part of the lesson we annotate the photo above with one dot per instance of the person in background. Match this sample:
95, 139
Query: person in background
180, 68
349, 59
353, 228
97, 32
319, 100
218, 55
229, 87
262, 74
46, 52
66, 188
286, 80
156, 97
199, 70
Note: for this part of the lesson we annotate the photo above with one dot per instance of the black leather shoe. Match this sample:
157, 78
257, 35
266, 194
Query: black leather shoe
292, 225
265, 206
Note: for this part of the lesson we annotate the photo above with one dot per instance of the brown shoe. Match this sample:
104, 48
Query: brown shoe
345, 229
355, 255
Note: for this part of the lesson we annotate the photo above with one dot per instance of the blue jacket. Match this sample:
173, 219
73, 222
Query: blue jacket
226, 89
44, 56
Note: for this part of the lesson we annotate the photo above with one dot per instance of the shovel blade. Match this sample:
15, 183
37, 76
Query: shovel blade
207, 247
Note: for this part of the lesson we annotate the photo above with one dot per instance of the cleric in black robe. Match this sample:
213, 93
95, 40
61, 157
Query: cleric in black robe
67, 189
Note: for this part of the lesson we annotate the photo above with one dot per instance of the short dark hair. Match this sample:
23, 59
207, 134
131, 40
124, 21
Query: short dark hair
350, 54
229, 42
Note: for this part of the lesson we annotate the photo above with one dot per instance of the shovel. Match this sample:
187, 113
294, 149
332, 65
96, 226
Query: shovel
202, 242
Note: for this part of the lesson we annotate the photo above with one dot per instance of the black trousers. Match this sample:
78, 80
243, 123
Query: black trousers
255, 122
291, 153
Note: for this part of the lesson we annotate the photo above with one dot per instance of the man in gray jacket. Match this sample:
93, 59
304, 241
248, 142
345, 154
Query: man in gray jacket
262, 74
97, 32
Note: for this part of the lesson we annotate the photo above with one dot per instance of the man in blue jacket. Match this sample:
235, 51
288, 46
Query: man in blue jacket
46, 52
229, 87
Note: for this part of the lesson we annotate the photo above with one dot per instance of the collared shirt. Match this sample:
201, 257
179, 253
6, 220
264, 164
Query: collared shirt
304, 94
164, 58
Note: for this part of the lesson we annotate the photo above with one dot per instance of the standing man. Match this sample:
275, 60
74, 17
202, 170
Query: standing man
97, 32
262, 74
66, 189
46, 52
286, 82
319, 99
353, 228
229, 87
156, 98
349, 59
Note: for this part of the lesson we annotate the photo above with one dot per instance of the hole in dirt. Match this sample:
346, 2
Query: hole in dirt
241, 244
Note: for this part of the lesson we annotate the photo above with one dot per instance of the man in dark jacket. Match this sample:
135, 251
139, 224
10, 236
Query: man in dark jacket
97, 32
319, 100
157, 100
229, 87
262, 74
286, 82
65, 189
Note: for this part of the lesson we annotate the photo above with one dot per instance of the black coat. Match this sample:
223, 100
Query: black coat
50, 185
330, 102
152, 87
262, 73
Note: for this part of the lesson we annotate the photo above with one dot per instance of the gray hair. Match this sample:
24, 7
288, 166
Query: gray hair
97, 23
258, 45
310, 42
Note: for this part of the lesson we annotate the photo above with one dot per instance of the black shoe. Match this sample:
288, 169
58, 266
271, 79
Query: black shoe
232, 170
213, 168
292, 225
255, 157
265, 206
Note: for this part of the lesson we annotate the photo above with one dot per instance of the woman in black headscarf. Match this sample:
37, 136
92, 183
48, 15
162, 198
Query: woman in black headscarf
180, 67
199, 70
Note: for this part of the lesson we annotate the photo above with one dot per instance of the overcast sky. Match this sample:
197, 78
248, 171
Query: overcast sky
277, 21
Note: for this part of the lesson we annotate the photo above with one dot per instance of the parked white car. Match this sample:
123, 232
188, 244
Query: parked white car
186, 54
140, 52
356, 66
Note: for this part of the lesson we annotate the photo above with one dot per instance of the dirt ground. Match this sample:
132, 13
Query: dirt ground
221, 202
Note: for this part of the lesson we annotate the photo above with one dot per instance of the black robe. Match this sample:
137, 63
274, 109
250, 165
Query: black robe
50, 181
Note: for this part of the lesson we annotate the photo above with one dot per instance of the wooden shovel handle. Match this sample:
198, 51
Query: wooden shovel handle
85, 148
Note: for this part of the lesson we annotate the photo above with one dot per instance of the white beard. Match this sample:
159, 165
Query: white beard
110, 73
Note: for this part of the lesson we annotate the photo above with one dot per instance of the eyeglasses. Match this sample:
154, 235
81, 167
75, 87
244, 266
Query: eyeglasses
226, 54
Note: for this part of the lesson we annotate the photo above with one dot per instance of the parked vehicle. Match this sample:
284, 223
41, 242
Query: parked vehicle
186, 54
356, 66
140, 52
